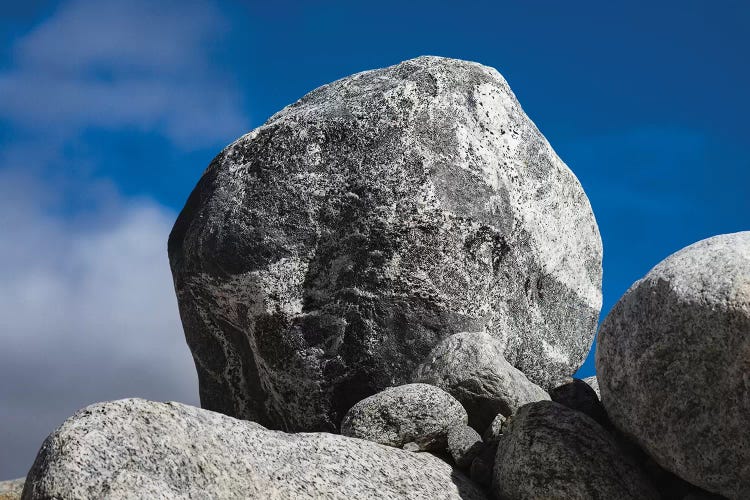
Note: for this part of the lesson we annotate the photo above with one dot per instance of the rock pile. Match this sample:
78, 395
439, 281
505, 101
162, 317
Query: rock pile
400, 272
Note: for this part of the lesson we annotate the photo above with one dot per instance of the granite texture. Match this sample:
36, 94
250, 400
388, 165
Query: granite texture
324, 254
418, 413
471, 367
11, 489
464, 444
140, 449
551, 452
673, 364
581, 396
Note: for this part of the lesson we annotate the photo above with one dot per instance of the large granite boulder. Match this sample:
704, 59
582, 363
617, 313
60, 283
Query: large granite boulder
418, 413
323, 255
471, 367
580, 395
551, 452
12, 489
673, 364
136, 448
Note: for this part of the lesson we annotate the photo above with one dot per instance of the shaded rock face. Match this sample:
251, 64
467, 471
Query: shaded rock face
471, 367
593, 382
464, 444
581, 396
673, 360
418, 413
156, 450
552, 452
321, 256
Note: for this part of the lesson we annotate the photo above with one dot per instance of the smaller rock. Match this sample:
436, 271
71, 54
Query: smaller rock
483, 465
495, 430
580, 396
420, 413
551, 451
411, 446
594, 383
472, 368
12, 489
464, 444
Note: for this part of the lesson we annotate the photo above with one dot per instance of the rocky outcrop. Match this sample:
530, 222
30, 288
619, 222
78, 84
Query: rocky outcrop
673, 360
323, 255
471, 367
418, 413
550, 451
155, 450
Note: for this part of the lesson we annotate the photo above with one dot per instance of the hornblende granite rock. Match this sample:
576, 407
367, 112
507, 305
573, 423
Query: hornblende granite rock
136, 448
551, 452
581, 396
11, 490
673, 364
464, 444
471, 367
594, 384
418, 413
323, 255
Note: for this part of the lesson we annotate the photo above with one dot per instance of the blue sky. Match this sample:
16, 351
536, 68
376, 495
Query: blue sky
110, 111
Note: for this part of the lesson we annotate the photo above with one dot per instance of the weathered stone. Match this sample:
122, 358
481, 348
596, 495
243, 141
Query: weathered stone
398, 415
495, 429
580, 396
673, 360
464, 444
323, 255
155, 450
552, 452
11, 490
471, 367
594, 384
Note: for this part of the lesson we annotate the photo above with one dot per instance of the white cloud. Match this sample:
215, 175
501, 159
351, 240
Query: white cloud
87, 313
140, 64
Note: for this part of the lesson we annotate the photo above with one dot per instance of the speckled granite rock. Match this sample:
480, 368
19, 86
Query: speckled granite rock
11, 490
496, 428
464, 444
551, 452
673, 364
324, 254
594, 384
580, 396
156, 450
398, 415
471, 367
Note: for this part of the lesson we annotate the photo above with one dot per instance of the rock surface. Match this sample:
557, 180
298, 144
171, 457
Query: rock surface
495, 429
398, 415
464, 444
175, 451
323, 255
594, 384
471, 367
673, 364
580, 396
552, 452
11, 490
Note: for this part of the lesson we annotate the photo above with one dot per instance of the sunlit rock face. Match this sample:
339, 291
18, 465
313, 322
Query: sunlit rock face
323, 255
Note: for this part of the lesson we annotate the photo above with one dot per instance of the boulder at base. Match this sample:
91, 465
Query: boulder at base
471, 367
323, 255
418, 413
133, 447
673, 364
551, 452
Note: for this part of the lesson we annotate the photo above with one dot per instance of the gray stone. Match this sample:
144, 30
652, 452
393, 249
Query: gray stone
323, 255
495, 429
464, 444
580, 396
398, 415
673, 364
471, 367
411, 446
594, 384
552, 452
11, 489
136, 448
483, 465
